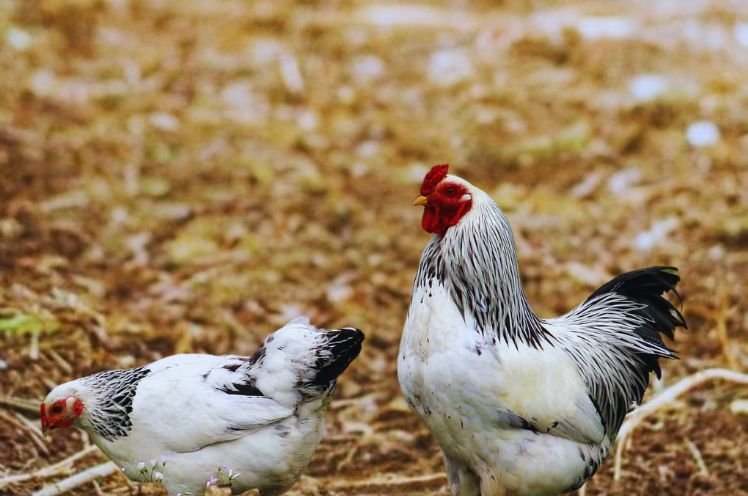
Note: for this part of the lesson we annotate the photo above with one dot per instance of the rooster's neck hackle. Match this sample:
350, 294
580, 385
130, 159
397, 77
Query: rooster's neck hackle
476, 261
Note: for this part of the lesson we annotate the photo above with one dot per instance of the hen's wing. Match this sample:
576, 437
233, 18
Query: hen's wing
192, 401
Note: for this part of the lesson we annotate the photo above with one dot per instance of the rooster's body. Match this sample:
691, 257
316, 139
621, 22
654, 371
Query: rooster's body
520, 405
260, 416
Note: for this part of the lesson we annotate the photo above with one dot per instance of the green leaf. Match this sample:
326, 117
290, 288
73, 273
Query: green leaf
23, 323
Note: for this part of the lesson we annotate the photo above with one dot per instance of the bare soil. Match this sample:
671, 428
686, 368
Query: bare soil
188, 175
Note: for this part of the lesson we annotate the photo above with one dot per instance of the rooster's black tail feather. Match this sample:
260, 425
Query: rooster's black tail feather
646, 287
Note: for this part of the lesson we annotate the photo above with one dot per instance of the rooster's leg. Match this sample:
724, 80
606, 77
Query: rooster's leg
462, 481
490, 485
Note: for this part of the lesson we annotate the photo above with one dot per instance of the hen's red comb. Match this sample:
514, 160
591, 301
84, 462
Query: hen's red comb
434, 177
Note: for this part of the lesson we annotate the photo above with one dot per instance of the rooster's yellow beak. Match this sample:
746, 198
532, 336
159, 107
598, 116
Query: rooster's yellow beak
420, 201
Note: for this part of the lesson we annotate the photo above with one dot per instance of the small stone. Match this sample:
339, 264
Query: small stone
739, 406
164, 121
450, 67
655, 235
741, 33
647, 87
614, 27
702, 134
19, 39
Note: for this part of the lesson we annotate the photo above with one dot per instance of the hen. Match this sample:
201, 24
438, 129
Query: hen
263, 416
520, 405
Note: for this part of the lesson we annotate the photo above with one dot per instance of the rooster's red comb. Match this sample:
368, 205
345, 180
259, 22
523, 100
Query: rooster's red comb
434, 177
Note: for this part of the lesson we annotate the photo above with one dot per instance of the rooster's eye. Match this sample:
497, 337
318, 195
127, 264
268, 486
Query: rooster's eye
56, 409
450, 191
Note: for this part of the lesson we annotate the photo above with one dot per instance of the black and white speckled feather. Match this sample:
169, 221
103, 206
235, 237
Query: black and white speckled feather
114, 390
614, 337
477, 264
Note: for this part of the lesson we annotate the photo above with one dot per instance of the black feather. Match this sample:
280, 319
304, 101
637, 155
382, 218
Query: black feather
338, 350
645, 287
247, 388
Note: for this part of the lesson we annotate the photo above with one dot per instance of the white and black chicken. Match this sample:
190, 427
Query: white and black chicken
520, 405
261, 416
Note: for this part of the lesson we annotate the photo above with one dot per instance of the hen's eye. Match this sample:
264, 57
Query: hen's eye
56, 409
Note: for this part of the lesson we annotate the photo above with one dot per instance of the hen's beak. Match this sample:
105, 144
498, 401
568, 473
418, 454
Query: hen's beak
420, 201
45, 422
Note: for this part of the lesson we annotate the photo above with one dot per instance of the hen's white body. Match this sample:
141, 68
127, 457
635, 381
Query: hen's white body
260, 416
178, 413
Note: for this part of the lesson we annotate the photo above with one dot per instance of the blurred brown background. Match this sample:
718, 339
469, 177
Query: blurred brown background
188, 175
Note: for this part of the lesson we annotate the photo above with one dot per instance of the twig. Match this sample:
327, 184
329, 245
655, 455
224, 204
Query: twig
720, 319
389, 481
23, 424
79, 479
34, 346
667, 397
291, 74
20, 404
97, 488
48, 471
64, 364
697, 457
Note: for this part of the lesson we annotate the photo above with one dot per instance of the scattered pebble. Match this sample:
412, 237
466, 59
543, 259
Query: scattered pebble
368, 69
289, 312
741, 33
339, 290
410, 15
621, 181
291, 73
592, 28
588, 185
3, 364
450, 67
591, 276
739, 406
368, 149
43, 82
265, 50
242, 103
702, 133
164, 121
716, 253
308, 121
647, 87
655, 235
19, 39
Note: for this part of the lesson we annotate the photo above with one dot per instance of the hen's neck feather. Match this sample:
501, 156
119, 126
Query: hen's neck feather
476, 261
109, 404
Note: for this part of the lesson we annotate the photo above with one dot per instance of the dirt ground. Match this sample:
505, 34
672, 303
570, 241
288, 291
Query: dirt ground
188, 175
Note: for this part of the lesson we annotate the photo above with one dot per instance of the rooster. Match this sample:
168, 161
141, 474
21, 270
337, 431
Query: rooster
181, 419
520, 405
